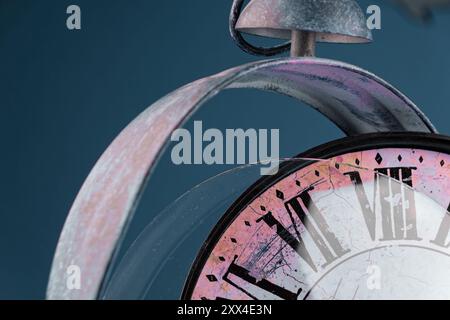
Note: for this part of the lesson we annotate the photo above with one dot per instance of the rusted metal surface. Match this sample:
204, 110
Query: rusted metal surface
355, 100
339, 21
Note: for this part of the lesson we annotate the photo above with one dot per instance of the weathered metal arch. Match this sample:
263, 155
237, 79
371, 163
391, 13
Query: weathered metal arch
355, 100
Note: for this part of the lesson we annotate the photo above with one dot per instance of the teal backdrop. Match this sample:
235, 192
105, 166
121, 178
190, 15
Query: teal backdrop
65, 95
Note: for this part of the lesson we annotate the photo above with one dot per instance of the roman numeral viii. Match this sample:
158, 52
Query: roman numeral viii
393, 186
305, 210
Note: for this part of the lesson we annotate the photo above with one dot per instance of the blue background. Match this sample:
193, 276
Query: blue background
65, 95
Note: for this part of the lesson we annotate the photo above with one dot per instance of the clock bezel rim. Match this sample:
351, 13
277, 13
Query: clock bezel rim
364, 142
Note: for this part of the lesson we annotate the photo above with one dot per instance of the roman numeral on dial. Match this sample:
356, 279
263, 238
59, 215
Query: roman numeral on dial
444, 229
397, 202
244, 275
303, 207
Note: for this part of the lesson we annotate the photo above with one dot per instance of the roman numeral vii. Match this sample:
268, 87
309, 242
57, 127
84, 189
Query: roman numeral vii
303, 208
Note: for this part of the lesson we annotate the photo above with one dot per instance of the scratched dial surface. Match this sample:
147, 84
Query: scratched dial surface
369, 222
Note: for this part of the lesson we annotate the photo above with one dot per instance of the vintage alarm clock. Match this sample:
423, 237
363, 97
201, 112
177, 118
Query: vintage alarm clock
364, 217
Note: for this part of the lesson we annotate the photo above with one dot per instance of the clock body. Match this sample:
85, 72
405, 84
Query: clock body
365, 217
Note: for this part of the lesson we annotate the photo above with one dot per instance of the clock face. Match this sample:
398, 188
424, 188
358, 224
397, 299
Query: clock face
368, 221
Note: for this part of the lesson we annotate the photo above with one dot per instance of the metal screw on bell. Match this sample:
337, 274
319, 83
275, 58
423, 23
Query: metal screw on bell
302, 21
